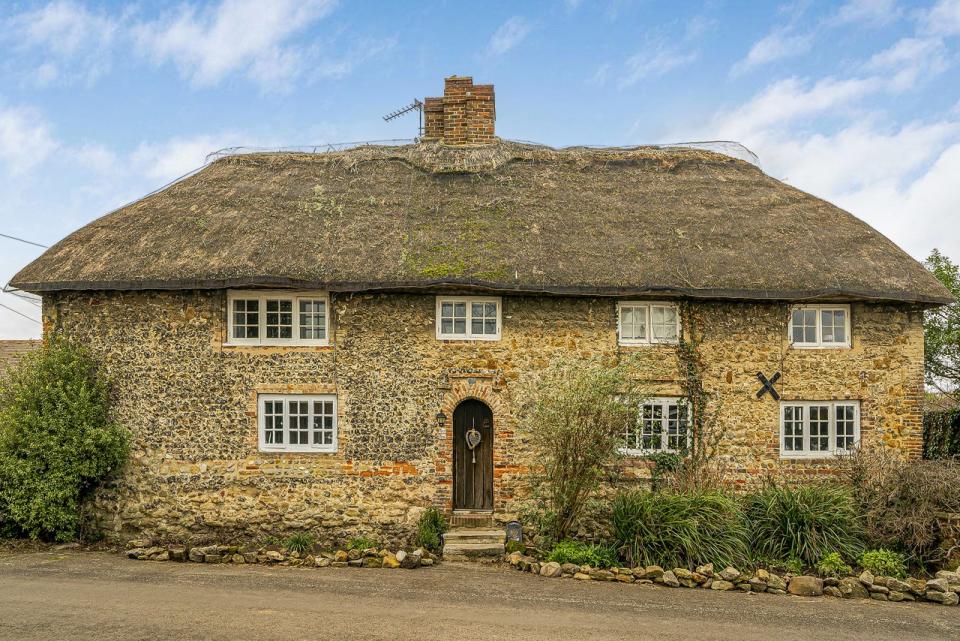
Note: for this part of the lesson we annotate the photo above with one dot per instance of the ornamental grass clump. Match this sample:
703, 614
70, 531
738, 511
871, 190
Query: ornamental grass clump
301, 543
57, 441
805, 522
679, 530
593, 554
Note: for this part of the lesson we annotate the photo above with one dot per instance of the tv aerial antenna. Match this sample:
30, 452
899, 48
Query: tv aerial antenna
416, 105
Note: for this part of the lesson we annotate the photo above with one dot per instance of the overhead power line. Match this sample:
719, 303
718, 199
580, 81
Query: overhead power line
33, 301
19, 313
29, 242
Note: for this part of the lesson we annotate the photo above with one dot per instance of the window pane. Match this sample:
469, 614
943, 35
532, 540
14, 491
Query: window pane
476, 310
476, 326
313, 321
279, 318
460, 310
819, 428
633, 322
446, 326
446, 310
652, 427
459, 326
676, 427
663, 321
833, 325
491, 310
793, 428
845, 427
246, 318
490, 326
804, 326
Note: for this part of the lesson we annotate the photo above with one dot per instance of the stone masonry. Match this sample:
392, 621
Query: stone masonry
190, 402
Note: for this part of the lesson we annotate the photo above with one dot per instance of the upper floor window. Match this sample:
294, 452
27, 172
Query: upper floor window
468, 318
818, 429
820, 326
641, 323
297, 423
661, 427
278, 318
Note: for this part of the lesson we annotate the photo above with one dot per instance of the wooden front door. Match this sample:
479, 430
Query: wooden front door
472, 469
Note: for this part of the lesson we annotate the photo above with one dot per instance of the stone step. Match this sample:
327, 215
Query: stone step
470, 520
470, 551
475, 535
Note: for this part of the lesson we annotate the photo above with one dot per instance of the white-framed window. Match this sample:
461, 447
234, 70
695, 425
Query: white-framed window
820, 326
468, 318
661, 426
279, 317
646, 323
818, 429
297, 422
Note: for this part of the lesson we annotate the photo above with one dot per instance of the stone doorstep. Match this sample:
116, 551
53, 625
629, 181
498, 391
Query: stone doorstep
475, 535
470, 520
471, 551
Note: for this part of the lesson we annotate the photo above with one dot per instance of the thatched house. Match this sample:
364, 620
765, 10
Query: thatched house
12, 352
316, 340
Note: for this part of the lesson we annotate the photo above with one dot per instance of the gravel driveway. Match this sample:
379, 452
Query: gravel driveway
91, 595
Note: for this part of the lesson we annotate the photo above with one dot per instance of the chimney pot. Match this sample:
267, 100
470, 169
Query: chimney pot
464, 116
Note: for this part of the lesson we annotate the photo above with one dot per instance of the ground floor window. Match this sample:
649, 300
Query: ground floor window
298, 423
661, 426
818, 429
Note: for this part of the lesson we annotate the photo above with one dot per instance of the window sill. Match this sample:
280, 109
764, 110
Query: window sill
642, 453
647, 343
467, 339
820, 346
296, 450
826, 456
294, 345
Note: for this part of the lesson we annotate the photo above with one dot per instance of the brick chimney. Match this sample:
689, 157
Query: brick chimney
464, 116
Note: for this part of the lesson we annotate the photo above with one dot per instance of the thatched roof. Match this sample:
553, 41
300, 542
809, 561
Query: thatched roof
12, 351
508, 217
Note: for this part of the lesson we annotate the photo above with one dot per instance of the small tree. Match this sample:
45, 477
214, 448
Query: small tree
56, 441
576, 414
941, 329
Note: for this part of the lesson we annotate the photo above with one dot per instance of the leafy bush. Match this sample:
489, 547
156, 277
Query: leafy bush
430, 529
300, 542
57, 442
575, 413
678, 530
806, 522
833, 565
941, 434
902, 499
361, 543
793, 565
884, 562
592, 554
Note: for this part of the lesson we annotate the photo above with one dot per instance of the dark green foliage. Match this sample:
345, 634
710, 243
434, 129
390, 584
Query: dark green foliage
941, 435
430, 529
361, 543
57, 442
592, 554
805, 522
678, 530
664, 464
833, 565
884, 562
514, 546
300, 542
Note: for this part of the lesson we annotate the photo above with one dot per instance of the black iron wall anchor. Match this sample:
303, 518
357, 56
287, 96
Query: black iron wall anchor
768, 385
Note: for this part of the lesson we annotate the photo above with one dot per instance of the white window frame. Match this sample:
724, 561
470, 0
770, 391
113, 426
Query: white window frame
647, 307
832, 451
469, 335
664, 402
819, 344
286, 446
262, 295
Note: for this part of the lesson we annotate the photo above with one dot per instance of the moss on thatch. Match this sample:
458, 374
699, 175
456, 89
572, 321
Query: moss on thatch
506, 217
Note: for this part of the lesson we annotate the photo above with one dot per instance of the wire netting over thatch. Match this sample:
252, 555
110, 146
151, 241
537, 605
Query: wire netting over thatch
505, 217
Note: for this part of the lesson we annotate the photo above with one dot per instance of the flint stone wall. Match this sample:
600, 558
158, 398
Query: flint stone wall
196, 473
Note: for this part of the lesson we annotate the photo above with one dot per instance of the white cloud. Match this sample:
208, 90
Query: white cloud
867, 12
943, 18
774, 46
75, 42
509, 35
26, 139
909, 60
170, 159
237, 36
656, 60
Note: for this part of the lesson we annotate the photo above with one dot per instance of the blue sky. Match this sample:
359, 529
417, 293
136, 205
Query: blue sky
101, 102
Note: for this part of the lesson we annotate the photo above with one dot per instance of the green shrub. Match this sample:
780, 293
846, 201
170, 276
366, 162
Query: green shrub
514, 546
806, 522
57, 442
430, 529
793, 565
678, 530
300, 542
592, 554
361, 543
833, 565
884, 562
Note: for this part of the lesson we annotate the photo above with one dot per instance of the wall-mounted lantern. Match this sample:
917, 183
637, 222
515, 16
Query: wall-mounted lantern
441, 419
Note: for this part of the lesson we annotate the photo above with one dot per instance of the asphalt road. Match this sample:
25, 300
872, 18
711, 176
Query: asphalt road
91, 595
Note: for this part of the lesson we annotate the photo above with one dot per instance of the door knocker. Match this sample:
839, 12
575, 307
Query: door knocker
473, 440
